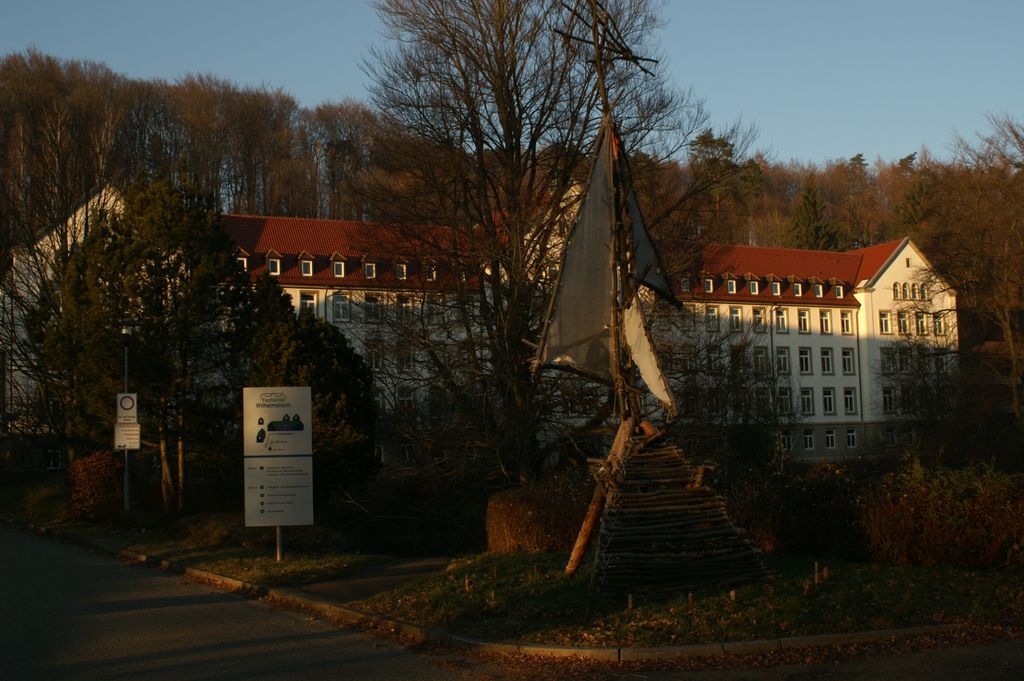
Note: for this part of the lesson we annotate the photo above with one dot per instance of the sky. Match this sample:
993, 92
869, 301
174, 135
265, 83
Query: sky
820, 80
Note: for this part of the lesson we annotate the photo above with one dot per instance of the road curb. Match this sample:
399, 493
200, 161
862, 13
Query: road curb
340, 612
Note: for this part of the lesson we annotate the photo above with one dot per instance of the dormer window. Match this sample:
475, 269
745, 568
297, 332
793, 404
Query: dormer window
370, 270
709, 285
730, 285
307, 267
431, 272
776, 288
798, 289
839, 291
819, 290
274, 266
243, 262
754, 286
401, 270
338, 267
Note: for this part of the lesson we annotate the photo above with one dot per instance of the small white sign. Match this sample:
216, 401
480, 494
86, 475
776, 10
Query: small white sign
278, 491
127, 408
127, 436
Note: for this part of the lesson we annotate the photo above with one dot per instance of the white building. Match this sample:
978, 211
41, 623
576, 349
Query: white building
834, 333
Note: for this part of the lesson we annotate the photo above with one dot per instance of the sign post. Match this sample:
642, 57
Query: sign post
127, 434
278, 457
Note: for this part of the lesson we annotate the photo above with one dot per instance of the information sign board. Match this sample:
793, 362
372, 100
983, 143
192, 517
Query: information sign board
127, 436
278, 456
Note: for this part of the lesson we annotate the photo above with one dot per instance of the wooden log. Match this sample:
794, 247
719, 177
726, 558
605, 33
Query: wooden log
597, 502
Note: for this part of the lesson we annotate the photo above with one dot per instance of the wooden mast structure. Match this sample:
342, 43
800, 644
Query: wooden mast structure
661, 528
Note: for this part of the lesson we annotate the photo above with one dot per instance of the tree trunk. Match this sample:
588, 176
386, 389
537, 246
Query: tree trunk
166, 482
181, 460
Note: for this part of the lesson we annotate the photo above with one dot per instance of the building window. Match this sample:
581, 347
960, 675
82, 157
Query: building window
776, 288
684, 284
307, 301
825, 321
885, 322
830, 438
761, 359
782, 360
807, 401
849, 366
890, 437
730, 285
781, 320
754, 287
808, 439
798, 289
924, 292
826, 361
711, 317
373, 356
401, 270
784, 401
850, 400
709, 285
888, 364
939, 324
403, 308
913, 292
828, 400
342, 307
846, 322
370, 270
906, 292
735, 319
819, 290
921, 321
274, 266
371, 309
759, 322
803, 321
840, 291
903, 322
787, 442
339, 268
851, 438
307, 268
243, 263
895, 291
804, 360
888, 400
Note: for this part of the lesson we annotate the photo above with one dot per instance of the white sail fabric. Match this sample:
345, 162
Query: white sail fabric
641, 349
578, 332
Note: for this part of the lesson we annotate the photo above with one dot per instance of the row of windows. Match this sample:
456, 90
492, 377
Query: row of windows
339, 270
805, 362
828, 401
779, 320
903, 291
922, 321
830, 439
775, 287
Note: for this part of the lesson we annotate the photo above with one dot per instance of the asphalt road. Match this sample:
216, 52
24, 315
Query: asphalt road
66, 613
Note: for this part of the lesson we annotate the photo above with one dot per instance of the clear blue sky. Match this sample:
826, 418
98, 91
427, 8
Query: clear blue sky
821, 79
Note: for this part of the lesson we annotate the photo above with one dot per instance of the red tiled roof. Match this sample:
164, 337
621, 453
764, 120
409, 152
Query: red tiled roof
788, 265
356, 242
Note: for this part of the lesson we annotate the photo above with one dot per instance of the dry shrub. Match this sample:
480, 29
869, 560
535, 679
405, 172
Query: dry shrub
808, 510
940, 516
538, 517
95, 485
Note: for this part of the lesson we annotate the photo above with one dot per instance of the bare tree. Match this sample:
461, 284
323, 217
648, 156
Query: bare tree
490, 112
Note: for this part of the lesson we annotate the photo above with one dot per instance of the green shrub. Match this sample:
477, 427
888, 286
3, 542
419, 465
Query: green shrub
95, 485
972, 516
538, 517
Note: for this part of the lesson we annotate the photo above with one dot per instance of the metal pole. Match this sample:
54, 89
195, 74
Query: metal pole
125, 332
280, 548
